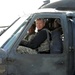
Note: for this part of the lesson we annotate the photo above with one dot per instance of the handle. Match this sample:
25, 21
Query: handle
10, 59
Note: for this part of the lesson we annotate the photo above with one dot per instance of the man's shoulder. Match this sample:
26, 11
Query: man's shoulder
46, 30
43, 31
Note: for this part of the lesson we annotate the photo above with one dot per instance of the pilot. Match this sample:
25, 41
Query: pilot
39, 44
30, 34
56, 42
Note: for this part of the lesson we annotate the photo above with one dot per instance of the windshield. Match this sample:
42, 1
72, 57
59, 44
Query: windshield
12, 33
7, 27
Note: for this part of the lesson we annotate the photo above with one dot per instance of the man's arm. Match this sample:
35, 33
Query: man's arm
39, 38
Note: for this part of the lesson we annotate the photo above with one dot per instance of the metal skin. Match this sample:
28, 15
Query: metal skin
61, 5
13, 63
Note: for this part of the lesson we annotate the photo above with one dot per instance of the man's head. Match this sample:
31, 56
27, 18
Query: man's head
32, 29
40, 23
57, 23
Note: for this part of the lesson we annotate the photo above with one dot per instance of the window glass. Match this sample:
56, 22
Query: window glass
53, 43
9, 37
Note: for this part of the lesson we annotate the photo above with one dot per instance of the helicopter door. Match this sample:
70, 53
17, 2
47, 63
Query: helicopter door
71, 47
44, 64
73, 43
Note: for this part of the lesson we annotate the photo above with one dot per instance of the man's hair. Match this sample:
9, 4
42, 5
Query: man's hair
40, 19
57, 21
33, 26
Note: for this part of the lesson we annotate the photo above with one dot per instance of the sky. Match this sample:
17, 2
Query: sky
12, 9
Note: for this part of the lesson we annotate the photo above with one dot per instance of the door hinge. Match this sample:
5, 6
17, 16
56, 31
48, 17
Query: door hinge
71, 49
10, 59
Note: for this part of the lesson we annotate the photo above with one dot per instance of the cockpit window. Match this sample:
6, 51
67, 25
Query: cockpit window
12, 33
47, 40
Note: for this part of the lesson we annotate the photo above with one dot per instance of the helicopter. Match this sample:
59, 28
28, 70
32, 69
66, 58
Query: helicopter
19, 63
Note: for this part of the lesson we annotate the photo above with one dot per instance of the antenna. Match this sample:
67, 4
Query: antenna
46, 1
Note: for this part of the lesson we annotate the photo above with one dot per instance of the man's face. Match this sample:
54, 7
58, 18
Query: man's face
31, 30
40, 24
